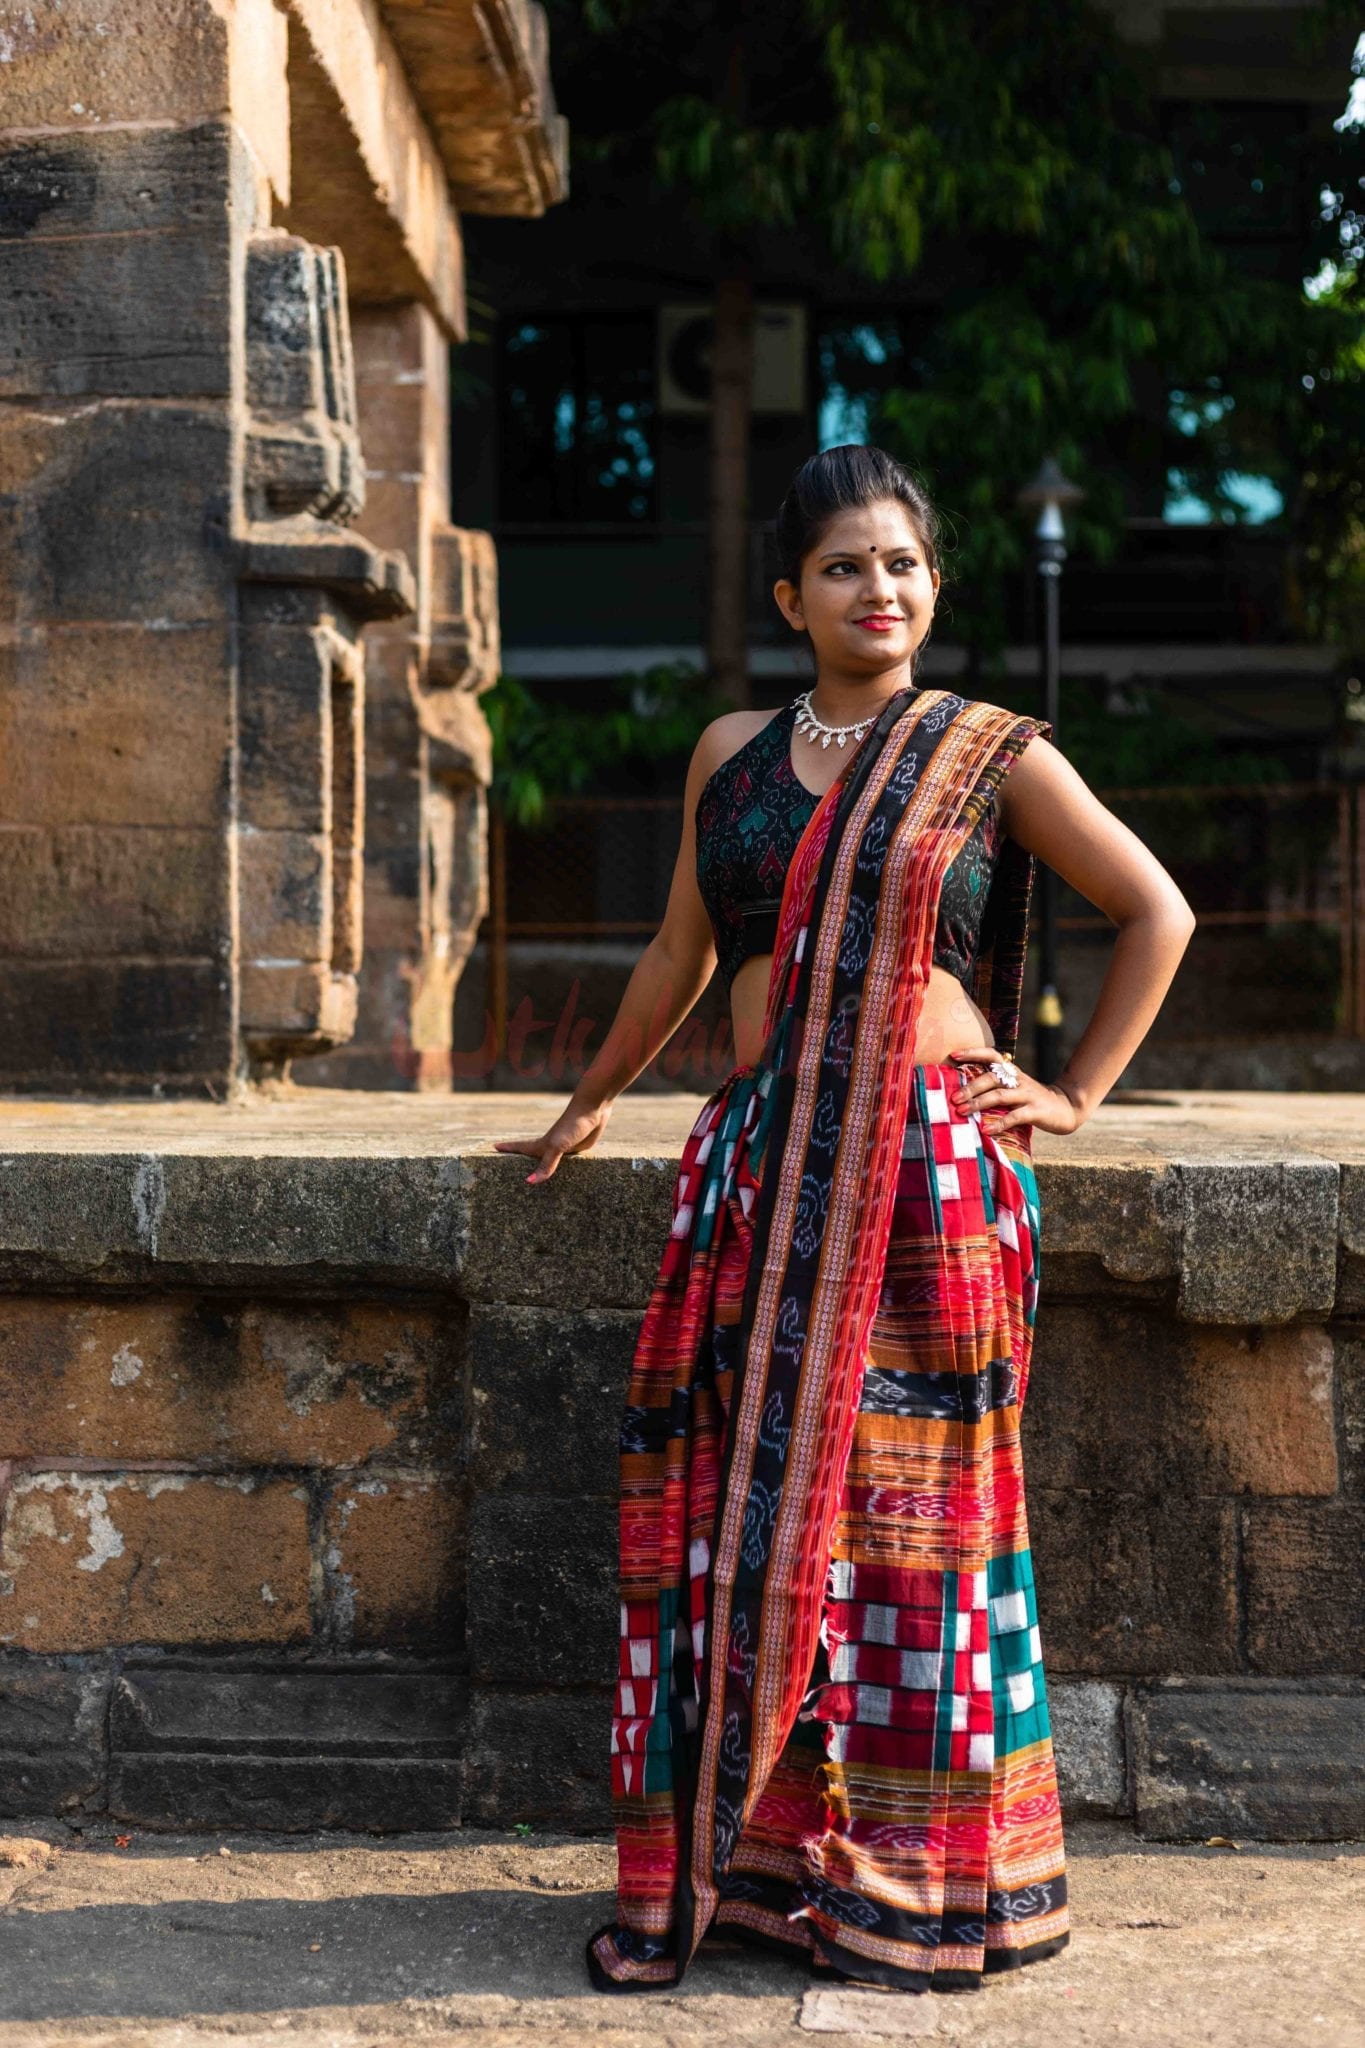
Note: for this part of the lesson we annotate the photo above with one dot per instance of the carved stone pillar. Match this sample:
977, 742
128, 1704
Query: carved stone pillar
308, 585
428, 748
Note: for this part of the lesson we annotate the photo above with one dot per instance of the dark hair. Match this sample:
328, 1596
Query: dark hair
837, 480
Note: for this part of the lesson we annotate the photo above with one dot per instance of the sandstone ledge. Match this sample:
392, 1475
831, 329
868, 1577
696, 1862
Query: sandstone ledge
1229, 1207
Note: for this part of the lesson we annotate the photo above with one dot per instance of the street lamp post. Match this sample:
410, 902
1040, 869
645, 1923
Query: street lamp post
1049, 492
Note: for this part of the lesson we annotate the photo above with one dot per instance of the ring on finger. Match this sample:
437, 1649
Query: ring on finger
1005, 1073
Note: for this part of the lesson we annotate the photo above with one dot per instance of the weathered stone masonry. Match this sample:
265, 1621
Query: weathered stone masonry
230, 268
308, 1442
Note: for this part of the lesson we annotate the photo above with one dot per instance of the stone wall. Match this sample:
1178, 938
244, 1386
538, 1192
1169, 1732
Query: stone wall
201, 508
307, 1421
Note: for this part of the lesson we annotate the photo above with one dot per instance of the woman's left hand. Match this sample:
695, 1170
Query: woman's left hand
1048, 1106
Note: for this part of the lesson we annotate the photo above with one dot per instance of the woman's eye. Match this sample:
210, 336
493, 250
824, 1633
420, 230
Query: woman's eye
901, 562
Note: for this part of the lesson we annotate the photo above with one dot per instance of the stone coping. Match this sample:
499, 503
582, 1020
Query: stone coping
1132, 1125
1238, 1207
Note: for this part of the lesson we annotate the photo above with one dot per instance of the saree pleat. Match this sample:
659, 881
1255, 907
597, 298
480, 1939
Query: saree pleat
831, 1725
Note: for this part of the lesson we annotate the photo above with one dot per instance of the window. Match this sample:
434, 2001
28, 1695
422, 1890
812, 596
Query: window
1248, 174
577, 418
1241, 497
860, 356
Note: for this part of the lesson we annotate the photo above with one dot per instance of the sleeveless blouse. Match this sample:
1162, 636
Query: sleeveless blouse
750, 815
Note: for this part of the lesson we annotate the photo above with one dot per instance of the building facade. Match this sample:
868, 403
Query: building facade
585, 439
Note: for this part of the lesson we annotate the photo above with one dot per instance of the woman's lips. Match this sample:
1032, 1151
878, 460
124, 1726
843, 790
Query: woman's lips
881, 622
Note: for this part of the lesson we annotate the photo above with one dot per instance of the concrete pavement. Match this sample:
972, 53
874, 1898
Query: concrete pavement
125, 1938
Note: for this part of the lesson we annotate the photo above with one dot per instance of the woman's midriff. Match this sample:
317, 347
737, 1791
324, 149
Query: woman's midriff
949, 1020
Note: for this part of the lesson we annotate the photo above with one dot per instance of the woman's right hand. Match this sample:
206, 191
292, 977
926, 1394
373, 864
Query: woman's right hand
576, 1131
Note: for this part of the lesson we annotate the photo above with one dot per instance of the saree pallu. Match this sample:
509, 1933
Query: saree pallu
831, 1724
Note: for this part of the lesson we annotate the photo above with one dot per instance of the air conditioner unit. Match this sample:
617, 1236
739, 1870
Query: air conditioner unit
685, 336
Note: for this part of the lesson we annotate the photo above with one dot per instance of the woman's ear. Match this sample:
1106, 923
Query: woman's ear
788, 600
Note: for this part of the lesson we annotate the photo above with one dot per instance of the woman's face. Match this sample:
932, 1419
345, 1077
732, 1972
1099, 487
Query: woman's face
867, 593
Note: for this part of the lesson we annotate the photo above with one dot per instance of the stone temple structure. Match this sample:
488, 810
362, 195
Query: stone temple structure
308, 1404
242, 646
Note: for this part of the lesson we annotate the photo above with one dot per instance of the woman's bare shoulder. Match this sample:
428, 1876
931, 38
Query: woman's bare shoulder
725, 736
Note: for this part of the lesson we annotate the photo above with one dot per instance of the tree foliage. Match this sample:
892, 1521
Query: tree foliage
544, 751
1005, 165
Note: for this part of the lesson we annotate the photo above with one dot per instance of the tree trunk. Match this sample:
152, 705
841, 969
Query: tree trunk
732, 382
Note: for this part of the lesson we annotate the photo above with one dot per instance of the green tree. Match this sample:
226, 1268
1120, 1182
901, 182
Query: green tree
1007, 160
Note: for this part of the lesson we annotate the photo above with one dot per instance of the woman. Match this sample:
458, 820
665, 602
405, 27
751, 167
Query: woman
831, 1726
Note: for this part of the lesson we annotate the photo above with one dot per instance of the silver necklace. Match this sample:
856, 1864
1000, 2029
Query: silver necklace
814, 728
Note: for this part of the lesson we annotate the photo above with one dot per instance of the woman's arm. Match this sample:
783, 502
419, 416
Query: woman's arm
1052, 812
666, 981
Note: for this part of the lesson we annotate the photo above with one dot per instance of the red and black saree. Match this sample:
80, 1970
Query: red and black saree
831, 1725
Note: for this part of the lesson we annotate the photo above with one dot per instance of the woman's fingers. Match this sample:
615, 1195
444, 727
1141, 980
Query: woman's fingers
560, 1141
531, 1148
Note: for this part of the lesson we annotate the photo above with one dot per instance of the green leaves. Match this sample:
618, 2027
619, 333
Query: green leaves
1008, 166
545, 750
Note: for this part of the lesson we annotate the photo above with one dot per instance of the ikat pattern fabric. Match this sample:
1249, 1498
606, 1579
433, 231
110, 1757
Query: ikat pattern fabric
751, 814
831, 1721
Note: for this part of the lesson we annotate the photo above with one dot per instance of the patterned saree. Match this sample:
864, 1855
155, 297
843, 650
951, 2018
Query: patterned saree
831, 1727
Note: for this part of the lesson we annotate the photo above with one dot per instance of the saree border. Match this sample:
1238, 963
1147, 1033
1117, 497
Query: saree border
855, 1228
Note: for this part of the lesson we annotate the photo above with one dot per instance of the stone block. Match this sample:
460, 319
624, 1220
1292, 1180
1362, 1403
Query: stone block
179, 1378
543, 1602
92, 1559
466, 644
285, 700
303, 452
540, 1758
395, 509
323, 1707
297, 1746
80, 181
1141, 1402
52, 1714
145, 315
1351, 1373
400, 1220
110, 1026
290, 1746
288, 1793
86, 891
1304, 1563
230, 1219
1086, 1716
594, 1240
1107, 1223
1253, 1759
115, 512
307, 1003
395, 1557
116, 725
285, 891
546, 1393
1351, 1227
263, 605
85, 62
1259, 1240
394, 408
1134, 1583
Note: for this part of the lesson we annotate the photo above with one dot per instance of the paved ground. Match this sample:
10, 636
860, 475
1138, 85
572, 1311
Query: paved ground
477, 1937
